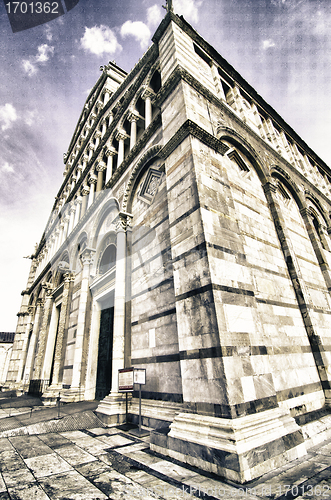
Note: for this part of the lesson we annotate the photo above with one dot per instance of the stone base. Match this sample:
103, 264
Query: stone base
241, 449
154, 413
112, 409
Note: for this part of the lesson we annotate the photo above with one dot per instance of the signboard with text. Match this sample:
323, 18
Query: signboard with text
125, 380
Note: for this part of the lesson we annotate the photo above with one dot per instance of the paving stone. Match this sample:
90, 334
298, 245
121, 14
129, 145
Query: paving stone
70, 486
75, 455
93, 469
2, 484
10, 460
29, 492
54, 440
116, 440
49, 464
98, 431
17, 477
135, 447
30, 446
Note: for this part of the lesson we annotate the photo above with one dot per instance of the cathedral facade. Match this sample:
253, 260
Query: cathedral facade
190, 237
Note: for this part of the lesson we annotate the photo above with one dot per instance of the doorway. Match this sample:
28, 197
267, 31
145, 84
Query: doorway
105, 353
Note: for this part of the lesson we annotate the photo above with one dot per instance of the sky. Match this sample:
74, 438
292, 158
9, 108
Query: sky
281, 47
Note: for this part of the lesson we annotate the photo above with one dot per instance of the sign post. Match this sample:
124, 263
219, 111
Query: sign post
127, 377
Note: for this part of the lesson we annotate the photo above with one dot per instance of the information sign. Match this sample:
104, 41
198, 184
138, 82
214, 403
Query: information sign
125, 380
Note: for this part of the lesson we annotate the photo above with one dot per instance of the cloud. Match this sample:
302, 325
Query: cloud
7, 167
154, 15
43, 53
100, 40
188, 8
32, 117
8, 116
30, 65
48, 32
139, 30
267, 44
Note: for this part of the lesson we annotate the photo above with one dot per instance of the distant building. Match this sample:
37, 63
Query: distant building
6, 346
190, 237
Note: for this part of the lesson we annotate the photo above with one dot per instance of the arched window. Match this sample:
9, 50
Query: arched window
108, 259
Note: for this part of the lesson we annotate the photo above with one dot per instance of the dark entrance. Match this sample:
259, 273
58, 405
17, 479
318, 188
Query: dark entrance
105, 354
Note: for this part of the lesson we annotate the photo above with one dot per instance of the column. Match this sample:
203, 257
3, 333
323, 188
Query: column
25, 345
97, 136
61, 329
32, 346
106, 96
78, 203
120, 137
85, 159
133, 118
147, 96
43, 333
100, 169
92, 181
119, 301
49, 347
73, 182
85, 192
110, 153
91, 148
72, 211
93, 350
86, 259
104, 126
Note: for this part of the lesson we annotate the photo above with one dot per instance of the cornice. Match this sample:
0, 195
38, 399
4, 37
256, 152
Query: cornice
191, 128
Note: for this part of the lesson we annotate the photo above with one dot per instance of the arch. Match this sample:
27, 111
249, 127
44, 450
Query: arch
317, 207
108, 207
151, 154
231, 136
278, 173
109, 240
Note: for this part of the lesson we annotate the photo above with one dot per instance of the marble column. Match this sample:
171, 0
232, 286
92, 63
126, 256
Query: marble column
61, 329
120, 137
92, 181
147, 96
25, 345
100, 169
119, 300
106, 96
72, 211
32, 346
85, 191
97, 136
92, 359
110, 153
43, 333
50, 343
78, 204
86, 259
133, 118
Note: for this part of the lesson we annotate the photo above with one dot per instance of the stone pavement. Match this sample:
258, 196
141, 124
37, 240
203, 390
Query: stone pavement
99, 462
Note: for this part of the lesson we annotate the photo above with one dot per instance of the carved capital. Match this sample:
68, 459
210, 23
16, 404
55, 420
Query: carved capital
91, 147
121, 135
97, 134
147, 93
133, 116
110, 151
101, 166
40, 302
78, 200
31, 310
85, 190
123, 221
93, 179
68, 277
87, 256
99, 105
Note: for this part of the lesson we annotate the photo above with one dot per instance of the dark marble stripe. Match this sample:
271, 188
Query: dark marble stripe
162, 358
149, 289
148, 232
223, 351
276, 303
154, 316
183, 216
168, 249
214, 286
159, 396
295, 392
